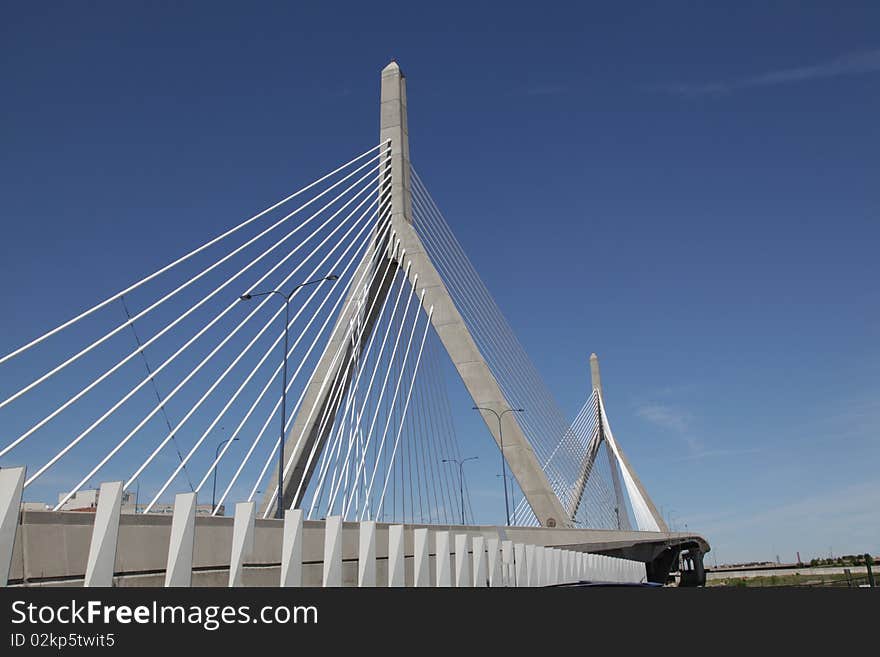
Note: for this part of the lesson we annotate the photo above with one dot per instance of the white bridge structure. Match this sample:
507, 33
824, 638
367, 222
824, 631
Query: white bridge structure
296, 367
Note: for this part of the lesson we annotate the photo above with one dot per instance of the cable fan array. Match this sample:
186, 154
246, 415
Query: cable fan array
561, 447
181, 388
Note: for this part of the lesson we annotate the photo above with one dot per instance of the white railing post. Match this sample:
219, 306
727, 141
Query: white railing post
493, 562
396, 573
333, 551
441, 558
367, 553
521, 566
178, 568
533, 565
421, 560
102, 549
11, 485
242, 541
462, 561
508, 574
480, 574
292, 548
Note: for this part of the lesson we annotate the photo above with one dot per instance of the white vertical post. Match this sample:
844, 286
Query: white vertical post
421, 574
533, 565
548, 566
521, 566
333, 551
493, 562
395, 556
441, 558
557, 566
292, 548
11, 485
242, 540
367, 553
178, 569
480, 574
102, 549
508, 574
462, 561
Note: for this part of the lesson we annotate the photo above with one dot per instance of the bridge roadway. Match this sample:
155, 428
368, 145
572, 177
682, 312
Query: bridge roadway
51, 548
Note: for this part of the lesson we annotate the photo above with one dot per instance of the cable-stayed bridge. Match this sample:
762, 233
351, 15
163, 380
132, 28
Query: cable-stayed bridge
319, 338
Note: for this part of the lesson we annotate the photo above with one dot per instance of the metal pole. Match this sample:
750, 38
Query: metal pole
501, 444
503, 469
279, 513
461, 487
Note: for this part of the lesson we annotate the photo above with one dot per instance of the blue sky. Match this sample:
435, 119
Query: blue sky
690, 191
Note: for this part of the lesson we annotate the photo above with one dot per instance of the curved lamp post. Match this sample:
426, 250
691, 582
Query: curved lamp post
279, 512
501, 442
461, 478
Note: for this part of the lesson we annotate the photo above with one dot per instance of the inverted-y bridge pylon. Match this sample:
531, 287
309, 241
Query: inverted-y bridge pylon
310, 430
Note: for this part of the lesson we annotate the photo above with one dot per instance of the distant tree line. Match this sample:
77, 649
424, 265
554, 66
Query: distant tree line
844, 560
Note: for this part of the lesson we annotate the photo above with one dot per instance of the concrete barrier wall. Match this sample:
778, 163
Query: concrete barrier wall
51, 548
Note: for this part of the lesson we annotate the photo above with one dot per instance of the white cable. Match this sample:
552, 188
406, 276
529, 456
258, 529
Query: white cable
299, 401
381, 236
406, 405
219, 457
289, 463
217, 318
192, 280
253, 372
158, 272
334, 492
560, 427
169, 396
350, 403
234, 362
394, 397
385, 379
320, 332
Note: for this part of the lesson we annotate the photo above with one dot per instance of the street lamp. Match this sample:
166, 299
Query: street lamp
279, 513
461, 478
216, 454
501, 442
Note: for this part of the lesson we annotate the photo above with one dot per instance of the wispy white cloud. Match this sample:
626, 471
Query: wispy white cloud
700, 454
670, 419
664, 416
855, 63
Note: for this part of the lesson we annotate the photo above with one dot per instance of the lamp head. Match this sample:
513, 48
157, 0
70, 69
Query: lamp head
245, 297
332, 277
